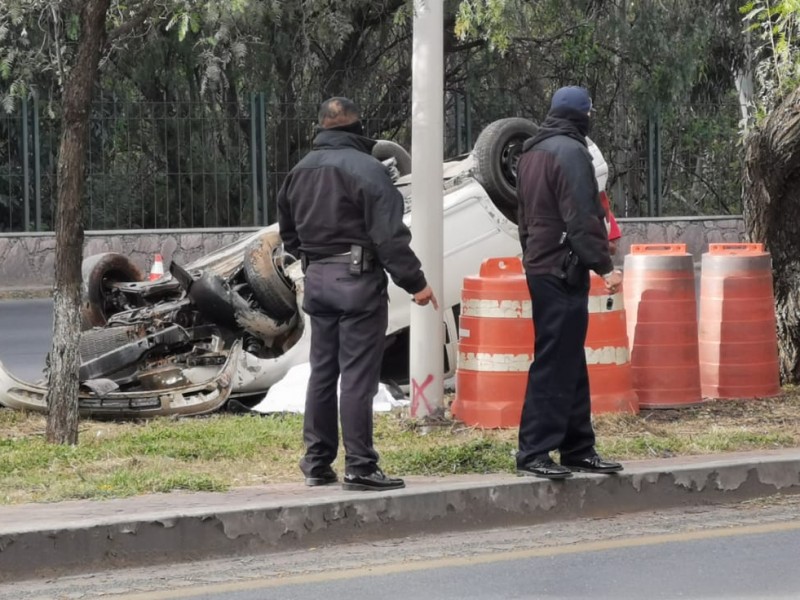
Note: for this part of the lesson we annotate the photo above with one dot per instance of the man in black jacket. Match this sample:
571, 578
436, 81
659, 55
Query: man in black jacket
339, 211
563, 237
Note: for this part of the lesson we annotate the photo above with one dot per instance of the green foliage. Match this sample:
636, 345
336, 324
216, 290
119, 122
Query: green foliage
638, 59
775, 25
26, 56
73, 27
491, 19
505, 56
668, 43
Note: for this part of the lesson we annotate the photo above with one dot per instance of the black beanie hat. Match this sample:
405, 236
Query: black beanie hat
572, 97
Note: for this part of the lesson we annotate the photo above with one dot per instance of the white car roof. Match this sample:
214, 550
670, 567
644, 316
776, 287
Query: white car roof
600, 165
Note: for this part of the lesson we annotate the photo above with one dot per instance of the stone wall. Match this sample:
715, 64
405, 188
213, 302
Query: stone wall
696, 233
27, 260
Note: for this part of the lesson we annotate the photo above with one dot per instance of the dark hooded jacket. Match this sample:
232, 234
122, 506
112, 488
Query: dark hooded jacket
339, 195
559, 204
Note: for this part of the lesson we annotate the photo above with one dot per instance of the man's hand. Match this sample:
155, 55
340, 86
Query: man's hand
423, 297
613, 281
391, 168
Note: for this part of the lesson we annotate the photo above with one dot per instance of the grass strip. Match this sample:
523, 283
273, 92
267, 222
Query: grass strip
221, 451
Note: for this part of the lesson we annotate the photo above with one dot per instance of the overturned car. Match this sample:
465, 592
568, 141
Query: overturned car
230, 324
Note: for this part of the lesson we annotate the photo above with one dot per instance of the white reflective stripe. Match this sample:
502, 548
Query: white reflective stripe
610, 355
463, 333
499, 309
598, 304
483, 361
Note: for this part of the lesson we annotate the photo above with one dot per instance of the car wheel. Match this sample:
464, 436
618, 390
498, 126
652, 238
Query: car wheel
384, 149
272, 290
99, 273
496, 153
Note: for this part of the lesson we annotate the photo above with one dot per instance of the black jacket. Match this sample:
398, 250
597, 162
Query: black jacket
339, 195
559, 204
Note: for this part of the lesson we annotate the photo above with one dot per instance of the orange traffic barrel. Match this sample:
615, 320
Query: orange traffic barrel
737, 331
607, 353
661, 303
495, 345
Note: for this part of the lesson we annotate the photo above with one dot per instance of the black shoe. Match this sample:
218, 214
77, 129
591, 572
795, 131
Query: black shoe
324, 476
376, 481
544, 467
592, 464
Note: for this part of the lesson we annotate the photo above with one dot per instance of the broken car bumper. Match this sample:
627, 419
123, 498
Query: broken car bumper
189, 399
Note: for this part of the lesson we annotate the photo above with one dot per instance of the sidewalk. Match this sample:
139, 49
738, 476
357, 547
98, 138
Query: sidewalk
83, 536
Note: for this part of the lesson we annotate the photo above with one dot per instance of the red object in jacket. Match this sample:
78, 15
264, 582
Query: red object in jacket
614, 232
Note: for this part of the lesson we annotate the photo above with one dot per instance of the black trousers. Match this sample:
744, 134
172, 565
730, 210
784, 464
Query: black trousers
557, 410
349, 315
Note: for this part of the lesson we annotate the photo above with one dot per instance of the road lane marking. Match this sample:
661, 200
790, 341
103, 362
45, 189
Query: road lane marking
463, 561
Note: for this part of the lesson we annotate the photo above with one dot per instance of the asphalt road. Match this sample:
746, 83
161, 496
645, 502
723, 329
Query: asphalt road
755, 562
744, 551
26, 333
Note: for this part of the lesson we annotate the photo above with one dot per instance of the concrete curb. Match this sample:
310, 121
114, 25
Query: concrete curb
83, 536
26, 293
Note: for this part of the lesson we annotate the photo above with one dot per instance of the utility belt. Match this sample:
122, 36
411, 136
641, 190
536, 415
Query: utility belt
360, 259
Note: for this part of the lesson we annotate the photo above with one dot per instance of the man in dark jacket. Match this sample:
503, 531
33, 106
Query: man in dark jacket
339, 211
563, 236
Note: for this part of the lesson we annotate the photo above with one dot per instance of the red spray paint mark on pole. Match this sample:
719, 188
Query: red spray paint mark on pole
418, 394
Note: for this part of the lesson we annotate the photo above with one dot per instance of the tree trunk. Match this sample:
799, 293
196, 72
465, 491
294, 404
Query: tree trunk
62, 395
772, 215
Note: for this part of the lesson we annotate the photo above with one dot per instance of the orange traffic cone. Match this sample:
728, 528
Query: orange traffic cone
157, 272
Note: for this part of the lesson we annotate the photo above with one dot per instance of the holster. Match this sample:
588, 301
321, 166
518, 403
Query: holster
573, 273
571, 267
362, 260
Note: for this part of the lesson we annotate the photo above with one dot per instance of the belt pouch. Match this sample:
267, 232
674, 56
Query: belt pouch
356, 260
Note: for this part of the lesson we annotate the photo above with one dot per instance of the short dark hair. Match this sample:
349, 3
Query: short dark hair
338, 111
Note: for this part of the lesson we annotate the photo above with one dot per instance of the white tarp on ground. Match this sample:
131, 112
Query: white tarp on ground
289, 394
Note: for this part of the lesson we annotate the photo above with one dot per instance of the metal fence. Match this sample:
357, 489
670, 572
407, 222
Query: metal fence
155, 165
170, 164
150, 165
691, 162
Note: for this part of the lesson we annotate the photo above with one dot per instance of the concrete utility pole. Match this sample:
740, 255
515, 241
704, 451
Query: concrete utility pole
427, 156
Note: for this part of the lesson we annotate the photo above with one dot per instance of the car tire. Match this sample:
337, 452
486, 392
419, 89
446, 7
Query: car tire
98, 272
272, 290
384, 149
496, 153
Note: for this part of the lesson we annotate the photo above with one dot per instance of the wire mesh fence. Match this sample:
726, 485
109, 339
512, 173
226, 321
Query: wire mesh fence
150, 165
165, 165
